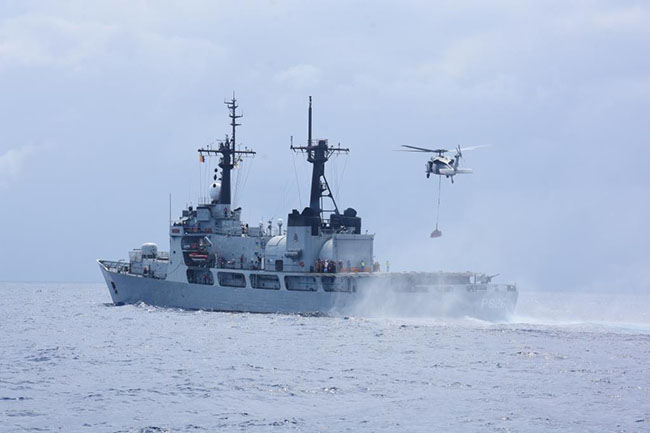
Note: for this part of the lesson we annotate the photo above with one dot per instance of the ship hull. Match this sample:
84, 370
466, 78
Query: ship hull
369, 294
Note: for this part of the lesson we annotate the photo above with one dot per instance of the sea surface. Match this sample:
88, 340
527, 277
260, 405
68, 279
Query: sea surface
72, 362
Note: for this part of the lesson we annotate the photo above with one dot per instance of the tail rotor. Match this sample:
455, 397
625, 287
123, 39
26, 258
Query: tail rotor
459, 155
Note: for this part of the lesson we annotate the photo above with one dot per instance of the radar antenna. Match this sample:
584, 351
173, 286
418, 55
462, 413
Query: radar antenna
229, 153
318, 153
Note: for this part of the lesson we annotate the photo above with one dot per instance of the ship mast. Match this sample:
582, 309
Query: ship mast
318, 154
229, 153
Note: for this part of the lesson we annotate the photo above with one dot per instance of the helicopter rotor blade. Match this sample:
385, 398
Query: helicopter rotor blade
473, 147
406, 150
424, 149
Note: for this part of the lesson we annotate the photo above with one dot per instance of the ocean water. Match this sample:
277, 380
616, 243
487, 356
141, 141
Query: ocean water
72, 362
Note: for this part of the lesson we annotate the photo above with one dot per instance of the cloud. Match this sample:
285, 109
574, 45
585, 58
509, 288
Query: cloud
39, 41
46, 41
12, 163
300, 76
625, 19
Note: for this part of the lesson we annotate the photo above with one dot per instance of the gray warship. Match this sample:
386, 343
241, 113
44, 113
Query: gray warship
321, 263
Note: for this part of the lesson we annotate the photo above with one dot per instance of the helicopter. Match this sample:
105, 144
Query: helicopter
441, 164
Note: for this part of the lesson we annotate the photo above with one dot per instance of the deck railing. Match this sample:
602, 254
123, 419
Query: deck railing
119, 267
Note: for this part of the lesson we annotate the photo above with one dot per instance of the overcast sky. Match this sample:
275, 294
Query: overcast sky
104, 104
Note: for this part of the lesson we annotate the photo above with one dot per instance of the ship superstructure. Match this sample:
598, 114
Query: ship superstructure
321, 262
